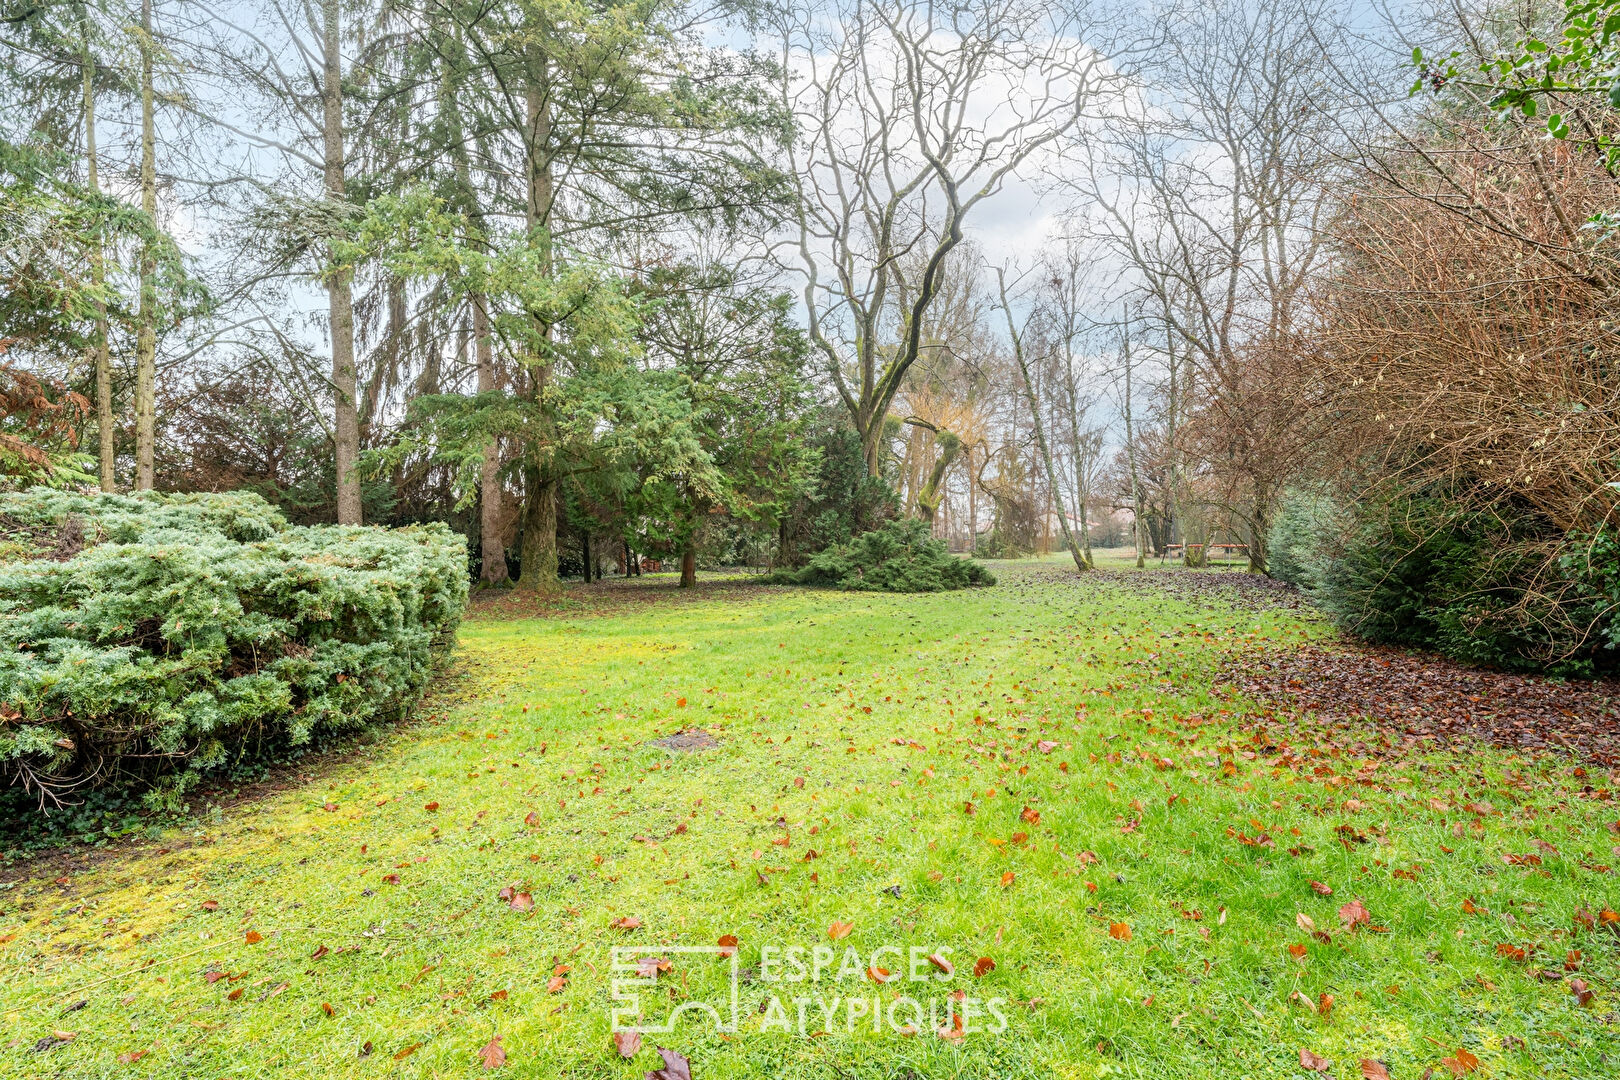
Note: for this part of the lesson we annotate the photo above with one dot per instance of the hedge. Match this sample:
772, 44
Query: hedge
1497, 586
167, 633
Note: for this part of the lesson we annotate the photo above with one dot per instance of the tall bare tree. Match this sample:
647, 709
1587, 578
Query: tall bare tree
1016, 335
1212, 191
910, 117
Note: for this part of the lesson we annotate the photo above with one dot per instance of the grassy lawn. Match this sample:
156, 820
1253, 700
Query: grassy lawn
1143, 869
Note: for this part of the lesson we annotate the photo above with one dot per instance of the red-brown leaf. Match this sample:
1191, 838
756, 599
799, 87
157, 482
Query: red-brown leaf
492, 1055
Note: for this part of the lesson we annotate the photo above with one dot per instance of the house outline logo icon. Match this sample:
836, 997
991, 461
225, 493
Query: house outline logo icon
629, 984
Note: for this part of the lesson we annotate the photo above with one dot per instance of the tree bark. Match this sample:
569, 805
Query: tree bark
146, 316
340, 300
491, 499
688, 568
932, 491
538, 568
105, 431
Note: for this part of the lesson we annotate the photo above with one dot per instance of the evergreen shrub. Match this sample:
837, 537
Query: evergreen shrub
899, 556
177, 630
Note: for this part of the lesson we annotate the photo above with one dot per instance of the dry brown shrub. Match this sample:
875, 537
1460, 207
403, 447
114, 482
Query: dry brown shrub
1468, 334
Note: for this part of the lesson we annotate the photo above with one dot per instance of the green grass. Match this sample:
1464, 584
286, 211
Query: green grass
813, 697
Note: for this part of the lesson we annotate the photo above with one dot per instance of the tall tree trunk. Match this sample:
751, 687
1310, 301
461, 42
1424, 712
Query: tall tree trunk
1041, 443
541, 483
146, 316
1130, 456
973, 503
105, 431
491, 499
1076, 447
688, 567
339, 297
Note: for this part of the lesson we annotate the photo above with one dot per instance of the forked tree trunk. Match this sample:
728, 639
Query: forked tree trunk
1041, 444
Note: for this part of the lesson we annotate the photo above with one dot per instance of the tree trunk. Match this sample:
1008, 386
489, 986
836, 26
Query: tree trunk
1258, 527
870, 428
340, 301
585, 557
105, 431
146, 316
1130, 456
539, 554
932, 491
1081, 488
973, 504
688, 568
1044, 447
540, 515
492, 500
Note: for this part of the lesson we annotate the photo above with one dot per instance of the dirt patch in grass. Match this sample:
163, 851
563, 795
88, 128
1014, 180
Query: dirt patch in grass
1415, 698
687, 741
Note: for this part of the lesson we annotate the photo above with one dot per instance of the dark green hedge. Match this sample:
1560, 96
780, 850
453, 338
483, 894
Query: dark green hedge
1492, 584
187, 625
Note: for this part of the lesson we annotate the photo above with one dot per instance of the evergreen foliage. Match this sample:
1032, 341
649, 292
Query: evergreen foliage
900, 556
1431, 570
186, 627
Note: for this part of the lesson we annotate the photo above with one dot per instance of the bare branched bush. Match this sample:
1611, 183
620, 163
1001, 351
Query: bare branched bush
1479, 349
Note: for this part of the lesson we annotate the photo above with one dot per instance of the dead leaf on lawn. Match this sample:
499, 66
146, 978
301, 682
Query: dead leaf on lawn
676, 1067
1355, 914
1313, 1062
1461, 1065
